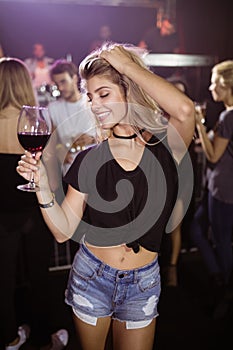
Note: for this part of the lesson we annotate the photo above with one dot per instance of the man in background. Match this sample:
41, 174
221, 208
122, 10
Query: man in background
73, 124
39, 66
161, 40
105, 35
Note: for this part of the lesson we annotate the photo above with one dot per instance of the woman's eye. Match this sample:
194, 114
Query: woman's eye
104, 95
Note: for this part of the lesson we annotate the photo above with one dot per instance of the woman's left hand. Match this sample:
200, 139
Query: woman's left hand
118, 57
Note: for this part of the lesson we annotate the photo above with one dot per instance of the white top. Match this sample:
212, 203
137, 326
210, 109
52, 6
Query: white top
41, 77
72, 119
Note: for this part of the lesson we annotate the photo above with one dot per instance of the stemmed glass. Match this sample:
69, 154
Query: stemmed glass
34, 129
200, 107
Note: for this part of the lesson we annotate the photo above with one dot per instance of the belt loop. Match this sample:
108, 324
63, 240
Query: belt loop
101, 268
135, 275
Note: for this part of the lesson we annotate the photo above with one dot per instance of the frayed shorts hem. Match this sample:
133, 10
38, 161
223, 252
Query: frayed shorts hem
92, 320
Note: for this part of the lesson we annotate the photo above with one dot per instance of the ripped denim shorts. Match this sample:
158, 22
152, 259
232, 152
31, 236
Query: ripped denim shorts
97, 290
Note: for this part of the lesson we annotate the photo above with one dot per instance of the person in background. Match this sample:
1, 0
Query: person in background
122, 192
74, 126
39, 66
200, 231
218, 148
161, 40
25, 240
105, 35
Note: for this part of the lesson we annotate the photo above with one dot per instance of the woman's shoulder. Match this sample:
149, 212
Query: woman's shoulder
226, 119
227, 113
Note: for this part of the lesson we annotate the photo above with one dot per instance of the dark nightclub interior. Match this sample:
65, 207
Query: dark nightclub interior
67, 28
205, 27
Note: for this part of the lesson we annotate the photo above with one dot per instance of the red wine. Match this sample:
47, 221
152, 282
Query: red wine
33, 142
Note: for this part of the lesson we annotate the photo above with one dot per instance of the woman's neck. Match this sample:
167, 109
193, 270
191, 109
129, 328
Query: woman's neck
125, 132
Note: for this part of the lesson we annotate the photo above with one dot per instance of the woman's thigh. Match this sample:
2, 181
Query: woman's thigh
92, 337
137, 339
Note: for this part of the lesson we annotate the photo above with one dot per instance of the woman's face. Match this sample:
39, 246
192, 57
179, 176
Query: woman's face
219, 92
107, 100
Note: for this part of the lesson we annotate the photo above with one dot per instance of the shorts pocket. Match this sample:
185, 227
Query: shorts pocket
149, 281
82, 274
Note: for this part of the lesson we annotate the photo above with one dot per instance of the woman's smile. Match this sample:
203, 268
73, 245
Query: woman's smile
101, 116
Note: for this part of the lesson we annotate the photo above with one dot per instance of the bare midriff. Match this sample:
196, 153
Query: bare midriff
121, 257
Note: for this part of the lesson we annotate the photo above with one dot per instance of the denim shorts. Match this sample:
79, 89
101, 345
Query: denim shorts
96, 290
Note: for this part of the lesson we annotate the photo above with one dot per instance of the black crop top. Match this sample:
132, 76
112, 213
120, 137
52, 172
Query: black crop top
131, 207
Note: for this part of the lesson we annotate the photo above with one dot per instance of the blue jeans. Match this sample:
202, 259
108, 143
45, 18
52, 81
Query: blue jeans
99, 290
219, 216
221, 220
198, 234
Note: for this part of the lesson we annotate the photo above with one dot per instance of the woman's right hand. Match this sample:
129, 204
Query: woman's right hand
199, 117
28, 163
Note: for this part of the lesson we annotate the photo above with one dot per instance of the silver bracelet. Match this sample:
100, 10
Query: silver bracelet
48, 205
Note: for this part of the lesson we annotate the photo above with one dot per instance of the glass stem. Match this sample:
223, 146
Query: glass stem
31, 181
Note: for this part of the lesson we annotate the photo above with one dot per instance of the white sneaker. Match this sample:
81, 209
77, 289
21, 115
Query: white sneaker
23, 333
59, 339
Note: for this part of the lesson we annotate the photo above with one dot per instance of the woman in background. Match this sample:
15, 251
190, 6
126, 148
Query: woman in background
25, 240
218, 149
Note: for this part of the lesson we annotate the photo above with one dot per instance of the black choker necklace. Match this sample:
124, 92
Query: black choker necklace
127, 137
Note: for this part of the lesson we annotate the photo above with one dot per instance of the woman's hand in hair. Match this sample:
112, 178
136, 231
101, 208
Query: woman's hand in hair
118, 57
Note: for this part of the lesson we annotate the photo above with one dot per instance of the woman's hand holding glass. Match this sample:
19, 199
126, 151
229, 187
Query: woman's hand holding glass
32, 163
200, 112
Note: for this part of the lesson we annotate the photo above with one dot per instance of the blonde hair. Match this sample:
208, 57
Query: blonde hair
143, 111
225, 72
16, 86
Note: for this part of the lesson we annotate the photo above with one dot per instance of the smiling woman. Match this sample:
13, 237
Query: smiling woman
121, 193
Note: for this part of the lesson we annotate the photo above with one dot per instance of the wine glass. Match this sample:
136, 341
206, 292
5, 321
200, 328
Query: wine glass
200, 107
34, 129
